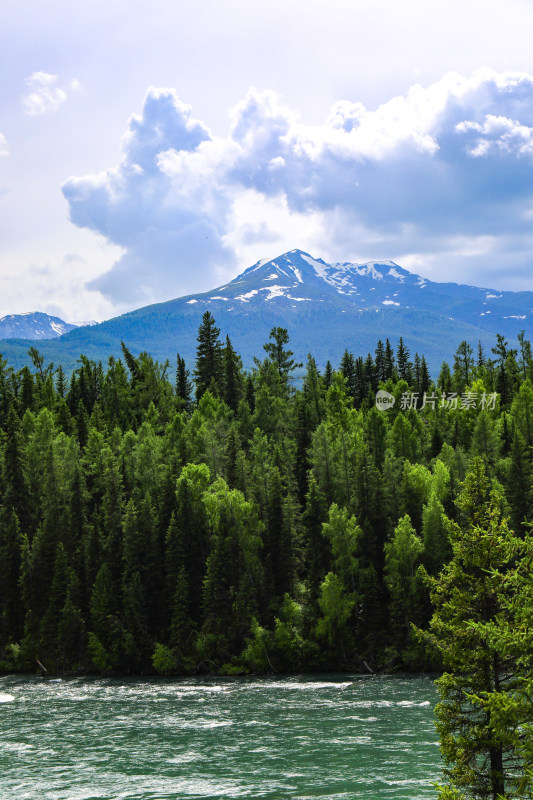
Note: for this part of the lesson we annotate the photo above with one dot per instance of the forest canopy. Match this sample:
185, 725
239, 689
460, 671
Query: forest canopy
259, 524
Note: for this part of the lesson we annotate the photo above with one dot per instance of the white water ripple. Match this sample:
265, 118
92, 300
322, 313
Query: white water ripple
344, 737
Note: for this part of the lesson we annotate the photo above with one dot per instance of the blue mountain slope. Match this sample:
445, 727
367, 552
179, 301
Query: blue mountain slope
326, 308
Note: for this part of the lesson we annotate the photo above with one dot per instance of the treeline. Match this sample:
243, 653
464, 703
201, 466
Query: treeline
254, 526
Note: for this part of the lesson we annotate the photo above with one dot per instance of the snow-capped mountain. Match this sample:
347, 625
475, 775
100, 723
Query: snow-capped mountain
33, 325
326, 308
296, 277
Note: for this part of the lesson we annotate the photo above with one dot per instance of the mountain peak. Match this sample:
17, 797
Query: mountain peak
33, 325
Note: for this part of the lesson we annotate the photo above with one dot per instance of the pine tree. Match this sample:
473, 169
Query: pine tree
470, 596
444, 381
27, 391
233, 382
525, 354
360, 382
131, 363
303, 443
49, 644
209, 360
313, 390
480, 356
425, 381
522, 413
381, 363
504, 361
416, 372
348, 373
519, 487
61, 383
389, 361
105, 637
11, 611
371, 382
183, 384
278, 550
16, 484
281, 356
328, 375
463, 367
402, 360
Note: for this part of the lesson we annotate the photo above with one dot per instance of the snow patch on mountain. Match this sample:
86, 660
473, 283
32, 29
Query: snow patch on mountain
244, 298
319, 267
395, 274
274, 291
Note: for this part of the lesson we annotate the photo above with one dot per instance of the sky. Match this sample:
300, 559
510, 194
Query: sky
152, 150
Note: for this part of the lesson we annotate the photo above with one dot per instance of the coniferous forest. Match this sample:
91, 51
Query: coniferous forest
271, 520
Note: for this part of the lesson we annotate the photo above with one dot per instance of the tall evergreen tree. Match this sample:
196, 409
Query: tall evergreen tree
209, 360
463, 366
389, 361
183, 384
15, 481
279, 354
403, 363
469, 596
380, 361
233, 381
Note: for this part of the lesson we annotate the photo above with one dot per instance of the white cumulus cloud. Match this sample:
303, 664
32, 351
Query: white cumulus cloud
442, 164
4, 147
44, 95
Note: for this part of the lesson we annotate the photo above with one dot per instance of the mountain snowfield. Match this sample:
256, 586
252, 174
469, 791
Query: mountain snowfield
326, 308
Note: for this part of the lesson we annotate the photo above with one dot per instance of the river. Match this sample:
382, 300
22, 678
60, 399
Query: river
305, 737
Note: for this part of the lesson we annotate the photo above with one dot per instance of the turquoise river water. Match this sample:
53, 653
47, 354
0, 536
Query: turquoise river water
304, 737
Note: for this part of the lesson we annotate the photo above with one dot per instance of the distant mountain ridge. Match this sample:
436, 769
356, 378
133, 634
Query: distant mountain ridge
326, 308
33, 325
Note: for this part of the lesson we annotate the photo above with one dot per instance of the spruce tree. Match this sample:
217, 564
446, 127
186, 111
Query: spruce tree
380, 362
233, 382
15, 480
463, 367
470, 596
347, 367
328, 375
425, 381
403, 363
279, 354
11, 610
183, 384
389, 361
208, 372
131, 363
